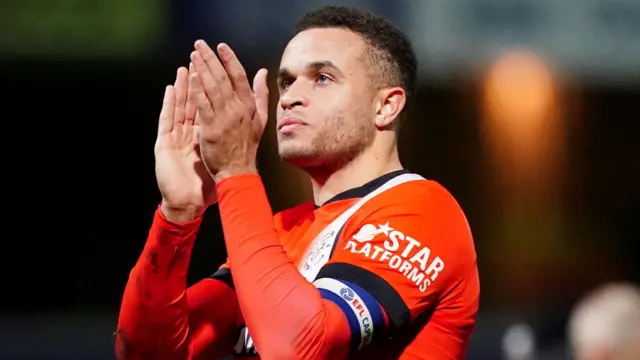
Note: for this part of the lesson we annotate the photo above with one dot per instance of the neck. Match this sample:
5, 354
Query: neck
367, 166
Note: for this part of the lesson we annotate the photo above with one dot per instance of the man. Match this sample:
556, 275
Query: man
605, 325
382, 263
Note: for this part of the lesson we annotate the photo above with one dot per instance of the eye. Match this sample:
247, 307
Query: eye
323, 79
285, 83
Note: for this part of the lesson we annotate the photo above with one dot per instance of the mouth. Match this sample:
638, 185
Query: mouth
289, 124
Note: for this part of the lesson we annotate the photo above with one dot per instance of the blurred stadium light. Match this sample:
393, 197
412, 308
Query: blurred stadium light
519, 342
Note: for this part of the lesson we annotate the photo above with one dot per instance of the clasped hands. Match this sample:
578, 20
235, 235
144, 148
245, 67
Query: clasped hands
232, 115
209, 129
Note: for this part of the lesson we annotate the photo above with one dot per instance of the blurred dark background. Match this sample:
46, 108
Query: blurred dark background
528, 113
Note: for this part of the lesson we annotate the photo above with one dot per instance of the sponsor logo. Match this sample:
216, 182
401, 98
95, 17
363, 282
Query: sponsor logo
400, 252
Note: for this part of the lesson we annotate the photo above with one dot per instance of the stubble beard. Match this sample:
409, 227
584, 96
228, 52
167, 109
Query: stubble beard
341, 140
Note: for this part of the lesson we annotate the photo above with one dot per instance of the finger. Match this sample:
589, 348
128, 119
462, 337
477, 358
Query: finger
205, 111
209, 84
261, 95
237, 74
181, 86
217, 70
190, 109
165, 123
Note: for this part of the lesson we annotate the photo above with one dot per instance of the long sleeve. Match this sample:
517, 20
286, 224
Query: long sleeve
286, 315
159, 317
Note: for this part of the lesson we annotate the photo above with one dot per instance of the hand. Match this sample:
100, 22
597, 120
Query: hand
186, 186
232, 115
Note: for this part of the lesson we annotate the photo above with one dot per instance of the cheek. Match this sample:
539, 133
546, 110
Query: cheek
338, 96
337, 112
341, 126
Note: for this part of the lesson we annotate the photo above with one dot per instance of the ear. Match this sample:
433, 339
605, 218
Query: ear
391, 101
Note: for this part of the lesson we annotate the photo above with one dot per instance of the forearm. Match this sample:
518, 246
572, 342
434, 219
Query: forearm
290, 320
153, 320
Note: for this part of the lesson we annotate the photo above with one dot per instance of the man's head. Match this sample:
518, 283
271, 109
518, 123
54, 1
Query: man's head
344, 79
605, 325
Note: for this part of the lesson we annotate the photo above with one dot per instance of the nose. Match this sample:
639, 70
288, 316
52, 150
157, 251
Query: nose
294, 96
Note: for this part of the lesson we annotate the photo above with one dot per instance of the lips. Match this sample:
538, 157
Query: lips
290, 123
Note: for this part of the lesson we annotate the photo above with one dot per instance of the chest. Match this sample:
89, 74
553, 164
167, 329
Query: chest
297, 239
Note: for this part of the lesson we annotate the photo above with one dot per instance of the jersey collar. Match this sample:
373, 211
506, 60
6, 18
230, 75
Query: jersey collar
365, 189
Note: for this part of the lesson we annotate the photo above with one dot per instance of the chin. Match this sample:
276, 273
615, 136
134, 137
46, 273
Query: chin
293, 147
300, 156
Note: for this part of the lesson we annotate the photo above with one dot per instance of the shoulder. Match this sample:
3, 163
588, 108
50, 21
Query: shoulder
408, 247
425, 197
417, 225
424, 208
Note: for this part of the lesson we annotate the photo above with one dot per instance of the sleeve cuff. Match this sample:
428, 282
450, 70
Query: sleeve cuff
237, 182
177, 232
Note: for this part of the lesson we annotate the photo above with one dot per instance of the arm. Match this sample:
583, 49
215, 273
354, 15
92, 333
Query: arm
318, 321
160, 318
307, 326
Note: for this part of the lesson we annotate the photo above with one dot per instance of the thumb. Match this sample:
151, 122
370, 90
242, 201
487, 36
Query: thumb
261, 95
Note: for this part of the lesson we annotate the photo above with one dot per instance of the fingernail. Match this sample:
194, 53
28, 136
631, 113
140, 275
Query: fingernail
199, 43
194, 56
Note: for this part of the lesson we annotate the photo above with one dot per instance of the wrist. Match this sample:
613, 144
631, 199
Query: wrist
180, 214
230, 172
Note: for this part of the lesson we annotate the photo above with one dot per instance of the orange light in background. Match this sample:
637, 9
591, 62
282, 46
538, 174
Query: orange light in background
519, 86
523, 136
520, 122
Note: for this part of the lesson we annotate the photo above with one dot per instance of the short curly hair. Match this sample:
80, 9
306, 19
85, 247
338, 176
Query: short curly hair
389, 49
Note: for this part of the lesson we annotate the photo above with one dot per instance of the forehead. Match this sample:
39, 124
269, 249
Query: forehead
340, 46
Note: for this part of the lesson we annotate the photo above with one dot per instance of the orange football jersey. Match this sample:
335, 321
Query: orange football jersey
408, 250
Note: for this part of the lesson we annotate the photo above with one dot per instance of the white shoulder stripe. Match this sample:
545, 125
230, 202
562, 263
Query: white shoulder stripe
318, 251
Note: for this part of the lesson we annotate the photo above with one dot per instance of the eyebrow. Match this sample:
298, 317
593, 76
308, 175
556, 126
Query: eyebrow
312, 66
